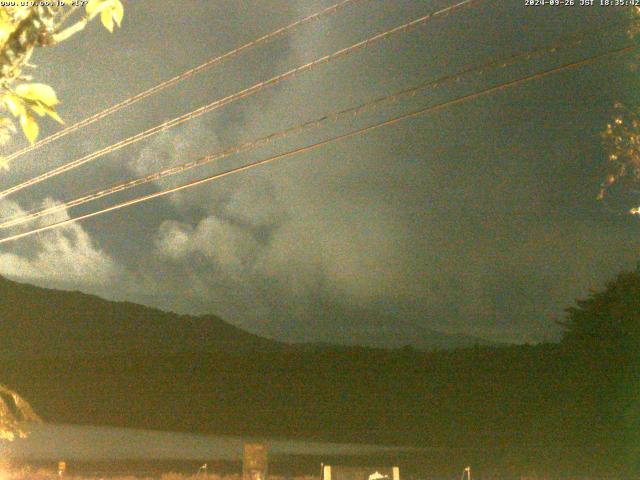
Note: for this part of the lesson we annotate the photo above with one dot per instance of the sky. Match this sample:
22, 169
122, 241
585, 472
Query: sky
480, 218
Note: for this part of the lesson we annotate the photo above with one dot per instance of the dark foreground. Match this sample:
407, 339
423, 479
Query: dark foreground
563, 410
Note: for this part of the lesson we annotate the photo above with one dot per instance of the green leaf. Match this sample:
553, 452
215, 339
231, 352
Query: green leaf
38, 92
107, 19
29, 127
14, 104
43, 110
111, 12
94, 7
53, 114
118, 12
39, 109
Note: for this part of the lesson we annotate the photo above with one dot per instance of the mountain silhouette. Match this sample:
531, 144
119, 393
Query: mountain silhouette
41, 321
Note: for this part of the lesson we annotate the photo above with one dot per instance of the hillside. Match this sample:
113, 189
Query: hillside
43, 321
39, 321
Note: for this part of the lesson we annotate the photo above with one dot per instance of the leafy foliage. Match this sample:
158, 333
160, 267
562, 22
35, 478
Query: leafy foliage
621, 136
634, 27
15, 413
622, 143
608, 321
110, 11
603, 336
22, 29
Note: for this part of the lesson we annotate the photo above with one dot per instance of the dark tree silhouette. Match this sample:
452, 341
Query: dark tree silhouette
603, 337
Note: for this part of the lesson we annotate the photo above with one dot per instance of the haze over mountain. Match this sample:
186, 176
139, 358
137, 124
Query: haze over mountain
43, 321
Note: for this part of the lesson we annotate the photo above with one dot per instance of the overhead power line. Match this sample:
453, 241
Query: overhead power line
317, 122
322, 143
231, 98
175, 80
